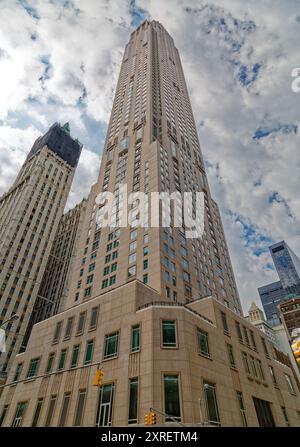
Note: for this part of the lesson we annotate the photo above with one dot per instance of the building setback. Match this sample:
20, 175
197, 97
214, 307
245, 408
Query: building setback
159, 312
29, 217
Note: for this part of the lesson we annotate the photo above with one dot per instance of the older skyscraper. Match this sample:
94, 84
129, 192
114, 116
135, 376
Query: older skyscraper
29, 216
157, 311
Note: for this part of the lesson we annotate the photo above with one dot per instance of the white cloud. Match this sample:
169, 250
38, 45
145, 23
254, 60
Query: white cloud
64, 67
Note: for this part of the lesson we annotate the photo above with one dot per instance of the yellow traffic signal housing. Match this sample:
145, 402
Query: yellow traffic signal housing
147, 419
152, 418
296, 348
98, 377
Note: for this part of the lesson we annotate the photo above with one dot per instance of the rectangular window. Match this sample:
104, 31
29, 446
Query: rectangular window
211, 403
169, 334
18, 372
274, 379
135, 338
19, 414
260, 370
64, 410
105, 405
203, 347
50, 411
132, 258
224, 323
37, 412
263, 412
94, 318
111, 345
239, 332
79, 408
231, 356
289, 384
57, 332
69, 327
246, 363
33, 368
246, 336
131, 271
62, 359
50, 362
81, 322
3, 414
145, 278
253, 366
89, 352
253, 342
242, 408
285, 415
133, 401
265, 347
172, 399
87, 292
75, 355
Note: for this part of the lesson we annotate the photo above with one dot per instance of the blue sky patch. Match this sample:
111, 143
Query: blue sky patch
248, 75
138, 15
262, 132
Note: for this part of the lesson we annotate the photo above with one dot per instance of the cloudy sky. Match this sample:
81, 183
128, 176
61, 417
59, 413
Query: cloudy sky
59, 61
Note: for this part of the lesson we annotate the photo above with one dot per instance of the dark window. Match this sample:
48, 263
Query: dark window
242, 408
62, 359
57, 332
50, 362
69, 327
89, 352
203, 346
231, 356
135, 338
169, 334
94, 318
75, 355
224, 322
81, 322
79, 408
50, 411
33, 368
18, 417
263, 412
37, 412
64, 410
3, 414
111, 345
18, 372
133, 401
172, 400
211, 403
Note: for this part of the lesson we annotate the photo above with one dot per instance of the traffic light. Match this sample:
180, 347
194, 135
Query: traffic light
98, 377
296, 349
152, 418
147, 419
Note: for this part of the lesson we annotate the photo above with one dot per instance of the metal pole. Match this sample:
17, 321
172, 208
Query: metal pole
167, 415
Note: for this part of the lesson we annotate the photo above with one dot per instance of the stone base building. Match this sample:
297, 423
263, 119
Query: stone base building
198, 363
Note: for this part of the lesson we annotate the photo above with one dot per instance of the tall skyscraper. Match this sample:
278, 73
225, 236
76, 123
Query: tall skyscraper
271, 295
56, 280
29, 216
152, 146
158, 312
287, 265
